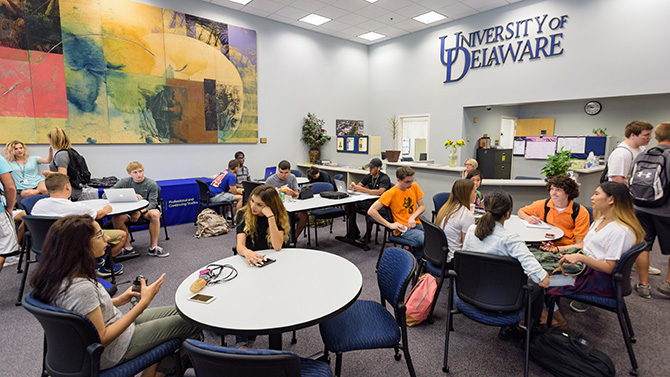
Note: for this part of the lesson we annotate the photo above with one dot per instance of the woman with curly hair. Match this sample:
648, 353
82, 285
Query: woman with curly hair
560, 210
25, 171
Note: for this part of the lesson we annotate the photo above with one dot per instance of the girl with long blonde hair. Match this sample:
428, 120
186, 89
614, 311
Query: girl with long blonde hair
26, 174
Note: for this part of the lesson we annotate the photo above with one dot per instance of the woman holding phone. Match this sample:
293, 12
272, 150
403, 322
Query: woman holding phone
66, 278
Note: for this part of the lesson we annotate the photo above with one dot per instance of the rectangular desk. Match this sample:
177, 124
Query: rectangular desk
317, 202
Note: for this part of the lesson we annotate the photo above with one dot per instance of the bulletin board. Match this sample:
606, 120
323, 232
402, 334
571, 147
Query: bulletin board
353, 144
579, 145
534, 127
539, 148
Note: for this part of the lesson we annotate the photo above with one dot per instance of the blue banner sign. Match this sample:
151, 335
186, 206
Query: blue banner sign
530, 38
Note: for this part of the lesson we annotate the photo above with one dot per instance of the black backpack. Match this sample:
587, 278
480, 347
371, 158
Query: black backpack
604, 176
648, 182
77, 170
565, 355
575, 210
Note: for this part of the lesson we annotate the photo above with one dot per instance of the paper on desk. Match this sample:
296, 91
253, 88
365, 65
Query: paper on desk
541, 225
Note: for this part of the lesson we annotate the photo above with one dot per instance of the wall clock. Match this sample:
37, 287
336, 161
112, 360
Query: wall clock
593, 107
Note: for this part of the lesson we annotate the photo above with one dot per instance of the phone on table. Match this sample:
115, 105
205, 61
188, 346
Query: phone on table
199, 297
266, 262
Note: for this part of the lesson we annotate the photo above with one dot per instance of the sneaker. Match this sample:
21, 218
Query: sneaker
127, 253
105, 272
665, 288
158, 252
645, 290
654, 271
9, 261
579, 307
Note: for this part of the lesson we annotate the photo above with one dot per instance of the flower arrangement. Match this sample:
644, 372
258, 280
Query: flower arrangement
600, 131
452, 146
313, 133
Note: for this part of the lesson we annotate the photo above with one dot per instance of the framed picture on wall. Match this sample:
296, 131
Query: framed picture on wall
363, 144
340, 143
350, 144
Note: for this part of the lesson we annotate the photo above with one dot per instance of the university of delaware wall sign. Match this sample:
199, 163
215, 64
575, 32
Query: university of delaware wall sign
530, 38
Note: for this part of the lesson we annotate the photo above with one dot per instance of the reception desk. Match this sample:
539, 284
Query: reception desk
349, 174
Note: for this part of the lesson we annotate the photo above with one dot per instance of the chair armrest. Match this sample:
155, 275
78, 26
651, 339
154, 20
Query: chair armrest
94, 350
617, 277
453, 274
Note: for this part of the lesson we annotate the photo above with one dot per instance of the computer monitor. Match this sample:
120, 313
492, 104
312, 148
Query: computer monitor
269, 171
423, 156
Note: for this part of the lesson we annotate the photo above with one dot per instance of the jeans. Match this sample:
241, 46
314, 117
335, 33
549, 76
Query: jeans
416, 236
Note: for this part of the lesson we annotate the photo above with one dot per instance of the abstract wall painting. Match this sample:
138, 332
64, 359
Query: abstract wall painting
114, 71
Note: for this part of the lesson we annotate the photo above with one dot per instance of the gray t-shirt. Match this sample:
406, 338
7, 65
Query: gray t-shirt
148, 189
62, 160
84, 296
274, 181
663, 210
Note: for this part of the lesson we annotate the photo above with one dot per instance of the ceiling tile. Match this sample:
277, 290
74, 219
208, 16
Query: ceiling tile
228, 4
281, 18
371, 25
270, 6
393, 4
434, 4
410, 25
285, 2
391, 31
353, 31
332, 12
311, 6
293, 13
350, 5
456, 10
334, 26
352, 19
484, 5
303, 25
257, 12
391, 18
371, 11
413, 10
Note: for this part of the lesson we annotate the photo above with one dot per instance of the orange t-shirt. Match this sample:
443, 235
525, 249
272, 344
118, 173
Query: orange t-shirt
402, 203
572, 229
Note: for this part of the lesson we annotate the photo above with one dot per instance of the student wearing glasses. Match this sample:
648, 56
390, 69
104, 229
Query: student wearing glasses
65, 278
470, 165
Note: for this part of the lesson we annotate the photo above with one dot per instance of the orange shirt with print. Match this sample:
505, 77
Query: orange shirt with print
402, 203
573, 229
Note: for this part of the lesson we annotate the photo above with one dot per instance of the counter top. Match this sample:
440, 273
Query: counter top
425, 165
596, 169
348, 169
514, 182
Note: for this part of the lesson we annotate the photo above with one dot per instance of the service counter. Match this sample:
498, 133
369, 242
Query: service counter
349, 174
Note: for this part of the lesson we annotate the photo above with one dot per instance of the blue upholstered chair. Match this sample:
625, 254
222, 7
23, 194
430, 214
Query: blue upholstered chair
435, 253
72, 345
338, 177
369, 325
29, 202
218, 361
323, 214
390, 237
38, 226
297, 173
622, 288
438, 201
489, 289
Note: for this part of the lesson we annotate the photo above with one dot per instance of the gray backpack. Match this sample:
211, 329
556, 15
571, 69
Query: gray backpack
210, 224
648, 182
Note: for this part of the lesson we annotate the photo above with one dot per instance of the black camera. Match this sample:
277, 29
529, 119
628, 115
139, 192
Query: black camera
137, 284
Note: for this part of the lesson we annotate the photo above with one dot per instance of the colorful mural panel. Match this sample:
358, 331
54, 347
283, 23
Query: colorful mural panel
112, 71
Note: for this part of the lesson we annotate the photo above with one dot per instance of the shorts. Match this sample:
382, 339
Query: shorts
655, 226
114, 235
8, 241
222, 197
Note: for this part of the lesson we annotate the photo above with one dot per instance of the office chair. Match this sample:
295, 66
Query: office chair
38, 226
434, 259
203, 200
438, 201
143, 222
323, 214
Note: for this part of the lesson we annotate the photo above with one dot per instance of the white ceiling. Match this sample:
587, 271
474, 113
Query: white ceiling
351, 18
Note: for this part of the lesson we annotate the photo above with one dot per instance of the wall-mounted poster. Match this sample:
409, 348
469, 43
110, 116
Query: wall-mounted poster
363, 144
350, 143
346, 127
340, 143
116, 71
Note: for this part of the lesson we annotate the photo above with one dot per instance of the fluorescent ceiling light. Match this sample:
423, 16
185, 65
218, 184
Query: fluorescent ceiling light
429, 18
371, 36
315, 19
243, 2
371, 1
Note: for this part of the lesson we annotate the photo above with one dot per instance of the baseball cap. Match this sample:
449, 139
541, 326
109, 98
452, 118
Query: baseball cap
374, 162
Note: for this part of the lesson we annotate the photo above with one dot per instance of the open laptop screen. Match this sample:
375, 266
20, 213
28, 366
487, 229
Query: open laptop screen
269, 171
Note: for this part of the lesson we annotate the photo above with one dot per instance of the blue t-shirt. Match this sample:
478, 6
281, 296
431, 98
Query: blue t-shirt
4, 168
26, 176
222, 183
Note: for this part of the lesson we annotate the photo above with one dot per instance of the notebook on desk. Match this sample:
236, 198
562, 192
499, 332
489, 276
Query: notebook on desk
121, 195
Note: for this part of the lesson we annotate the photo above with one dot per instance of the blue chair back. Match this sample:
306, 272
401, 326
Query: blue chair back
438, 201
624, 267
395, 269
297, 173
29, 202
217, 361
528, 178
490, 282
38, 227
338, 177
590, 214
321, 186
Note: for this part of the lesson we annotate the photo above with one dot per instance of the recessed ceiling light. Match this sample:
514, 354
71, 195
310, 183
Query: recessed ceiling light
371, 36
429, 18
243, 2
315, 19
371, 1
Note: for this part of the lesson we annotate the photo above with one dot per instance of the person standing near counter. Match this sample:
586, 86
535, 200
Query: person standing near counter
620, 161
374, 183
560, 210
405, 200
470, 165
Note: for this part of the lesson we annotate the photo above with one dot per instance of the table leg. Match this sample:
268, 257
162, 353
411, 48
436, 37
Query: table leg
351, 235
275, 341
291, 221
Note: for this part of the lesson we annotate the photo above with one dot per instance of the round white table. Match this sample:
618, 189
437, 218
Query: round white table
302, 288
531, 234
117, 208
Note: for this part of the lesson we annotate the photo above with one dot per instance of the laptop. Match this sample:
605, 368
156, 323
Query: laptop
269, 171
121, 195
342, 187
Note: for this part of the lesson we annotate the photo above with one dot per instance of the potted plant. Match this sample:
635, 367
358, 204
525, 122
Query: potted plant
393, 155
557, 164
314, 135
600, 131
452, 146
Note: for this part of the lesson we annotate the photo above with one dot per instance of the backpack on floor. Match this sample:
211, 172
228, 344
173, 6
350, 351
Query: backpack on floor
77, 169
420, 300
210, 224
648, 182
565, 355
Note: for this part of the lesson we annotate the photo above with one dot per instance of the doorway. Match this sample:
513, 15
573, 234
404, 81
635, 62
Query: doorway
507, 132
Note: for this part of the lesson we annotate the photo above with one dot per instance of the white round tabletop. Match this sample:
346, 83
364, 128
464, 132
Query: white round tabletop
117, 208
546, 232
303, 287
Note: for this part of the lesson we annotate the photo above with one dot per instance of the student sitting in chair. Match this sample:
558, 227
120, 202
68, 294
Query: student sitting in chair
455, 216
261, 225
476, 177
560, 210
58, 204
314, 174
66, 278
287, 183
147, 189
224, 188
